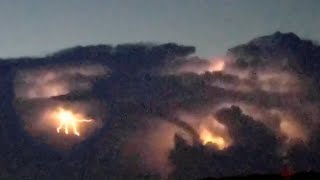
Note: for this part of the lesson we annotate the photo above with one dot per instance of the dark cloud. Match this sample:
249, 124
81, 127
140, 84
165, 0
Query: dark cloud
284, 50
117, 67
247, 155
161, 112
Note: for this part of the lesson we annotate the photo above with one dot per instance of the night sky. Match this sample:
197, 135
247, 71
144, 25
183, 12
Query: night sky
38, 27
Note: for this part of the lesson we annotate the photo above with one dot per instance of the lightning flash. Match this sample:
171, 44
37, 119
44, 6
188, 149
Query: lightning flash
68, 119
207, 137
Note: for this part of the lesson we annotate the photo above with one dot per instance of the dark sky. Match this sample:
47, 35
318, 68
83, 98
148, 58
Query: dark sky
37, 27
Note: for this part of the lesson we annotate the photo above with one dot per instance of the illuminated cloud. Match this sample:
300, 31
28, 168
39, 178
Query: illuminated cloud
153, 145
47, 82
157, 110
196, 65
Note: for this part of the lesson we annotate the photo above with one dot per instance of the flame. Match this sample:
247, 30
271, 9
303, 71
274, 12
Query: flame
207, 137
68, 119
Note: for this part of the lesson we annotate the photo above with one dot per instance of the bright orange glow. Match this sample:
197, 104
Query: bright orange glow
207, 137
217, 65
68, 119
292, 130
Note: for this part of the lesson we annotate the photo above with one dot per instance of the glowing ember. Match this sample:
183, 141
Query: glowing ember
207, 137
68, 119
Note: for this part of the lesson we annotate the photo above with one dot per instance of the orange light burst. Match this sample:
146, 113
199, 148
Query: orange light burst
68, 119
217, 66
207, 137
